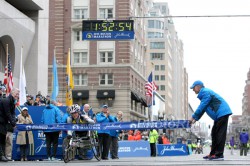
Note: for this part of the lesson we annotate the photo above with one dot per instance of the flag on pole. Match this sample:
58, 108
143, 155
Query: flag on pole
55, 85
70, 83
22, 82
150, 87
8, 78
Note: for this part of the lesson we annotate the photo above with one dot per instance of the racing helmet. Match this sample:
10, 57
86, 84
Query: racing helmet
74, 108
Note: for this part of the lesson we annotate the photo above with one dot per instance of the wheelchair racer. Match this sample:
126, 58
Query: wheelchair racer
76, 118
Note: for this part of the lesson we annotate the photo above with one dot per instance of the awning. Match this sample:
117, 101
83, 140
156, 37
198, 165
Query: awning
135, 97
80, 94
144, 103
24, 5
103, 94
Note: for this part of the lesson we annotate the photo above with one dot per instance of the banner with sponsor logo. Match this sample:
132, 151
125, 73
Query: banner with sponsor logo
173, 124
134, 149
172, 150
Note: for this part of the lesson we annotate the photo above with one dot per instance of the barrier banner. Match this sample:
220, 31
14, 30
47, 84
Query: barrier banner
173, 124
37, 151
172, 149
134, 149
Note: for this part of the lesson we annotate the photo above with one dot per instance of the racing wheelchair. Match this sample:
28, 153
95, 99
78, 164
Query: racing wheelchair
89, 141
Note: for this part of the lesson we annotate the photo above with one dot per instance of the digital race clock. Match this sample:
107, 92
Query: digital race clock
107, 29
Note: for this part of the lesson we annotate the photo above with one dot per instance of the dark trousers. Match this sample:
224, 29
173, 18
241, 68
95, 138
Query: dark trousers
104, 141
243, 148
219, 133
24, 150
51, 139
2, 144
152, 149
114, 147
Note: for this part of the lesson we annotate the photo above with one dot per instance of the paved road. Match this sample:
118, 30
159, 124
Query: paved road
194, 159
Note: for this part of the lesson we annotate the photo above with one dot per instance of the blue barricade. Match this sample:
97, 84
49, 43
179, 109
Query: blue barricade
134, 149
172, 150
126, 149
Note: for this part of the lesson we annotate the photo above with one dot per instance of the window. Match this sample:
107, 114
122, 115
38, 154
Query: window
155, 35
155, 24
77, 36
106, 13
162, 67
80, 58
106, 79
157, 45
156, 78
80, 80
162, 77
80, 13
162, 87
157, 56
106, 57
156, 67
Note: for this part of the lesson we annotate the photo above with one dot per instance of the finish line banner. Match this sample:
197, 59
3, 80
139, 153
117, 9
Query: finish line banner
173, 124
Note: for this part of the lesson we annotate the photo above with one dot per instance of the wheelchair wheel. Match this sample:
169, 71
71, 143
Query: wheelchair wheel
65, 147
66, 156
95, 146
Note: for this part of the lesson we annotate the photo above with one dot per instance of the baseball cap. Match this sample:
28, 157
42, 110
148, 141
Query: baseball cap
24, 108
198, 82
105, 106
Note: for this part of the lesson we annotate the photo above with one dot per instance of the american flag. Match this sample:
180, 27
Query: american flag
150, 87
8, 78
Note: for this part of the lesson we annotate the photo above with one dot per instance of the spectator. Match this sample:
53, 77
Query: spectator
160, 140
77, 118
24, 138
137, 136
165, 139
114, 137
243, 142
29, 101
51, 115
153, 135
7, 115
88, 111
131, 136
145, 135
104, 135
66, 115
232, 142
2, 92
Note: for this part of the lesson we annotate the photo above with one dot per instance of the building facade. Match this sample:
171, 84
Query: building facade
105, 72
25, 24
165, 52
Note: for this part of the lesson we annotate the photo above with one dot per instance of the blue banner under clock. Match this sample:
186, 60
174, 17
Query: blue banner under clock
112, 35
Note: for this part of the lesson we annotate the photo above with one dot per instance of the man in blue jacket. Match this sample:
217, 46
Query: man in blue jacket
218, 110
243, 142
51, 115
104, 135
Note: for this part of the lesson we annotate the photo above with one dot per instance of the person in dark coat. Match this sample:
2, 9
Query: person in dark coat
243, 142
7, 115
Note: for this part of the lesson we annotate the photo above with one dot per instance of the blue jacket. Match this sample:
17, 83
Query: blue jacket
51, 115
101, 118
244, 138
114, 133
211, 103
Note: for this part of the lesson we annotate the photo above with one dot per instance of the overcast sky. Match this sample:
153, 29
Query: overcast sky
216, 50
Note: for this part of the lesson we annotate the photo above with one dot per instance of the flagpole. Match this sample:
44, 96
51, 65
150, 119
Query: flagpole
152, 99
7, 52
